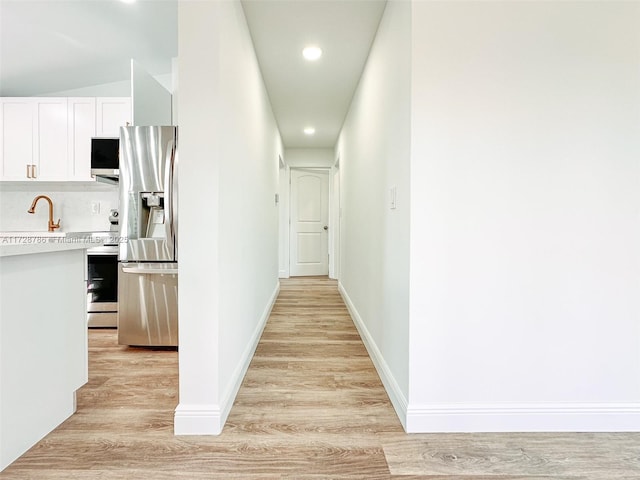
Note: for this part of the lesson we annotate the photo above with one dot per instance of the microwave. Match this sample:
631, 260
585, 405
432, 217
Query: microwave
105, 157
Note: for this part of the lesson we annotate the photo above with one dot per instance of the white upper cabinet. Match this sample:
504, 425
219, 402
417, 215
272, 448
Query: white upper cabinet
49, 138
34, 138
82, 126
17, 142
111, 114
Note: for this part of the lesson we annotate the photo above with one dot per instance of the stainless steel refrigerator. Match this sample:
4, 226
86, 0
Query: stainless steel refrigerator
148, 260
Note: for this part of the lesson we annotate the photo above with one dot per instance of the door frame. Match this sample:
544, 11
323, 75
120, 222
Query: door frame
285, 218
335, 213
284, 178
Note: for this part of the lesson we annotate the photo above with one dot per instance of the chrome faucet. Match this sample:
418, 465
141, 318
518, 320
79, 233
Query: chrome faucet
52, 226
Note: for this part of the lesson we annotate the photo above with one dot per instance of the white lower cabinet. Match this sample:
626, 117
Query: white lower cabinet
43, 346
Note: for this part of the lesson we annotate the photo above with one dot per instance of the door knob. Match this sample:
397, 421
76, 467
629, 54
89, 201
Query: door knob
325, 227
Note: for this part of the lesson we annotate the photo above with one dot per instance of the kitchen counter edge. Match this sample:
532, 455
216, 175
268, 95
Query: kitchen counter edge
28, 246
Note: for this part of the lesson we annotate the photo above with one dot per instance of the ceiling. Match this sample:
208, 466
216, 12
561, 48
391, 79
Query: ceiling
316, 93
57, 45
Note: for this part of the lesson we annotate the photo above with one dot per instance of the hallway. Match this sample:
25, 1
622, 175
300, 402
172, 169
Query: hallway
311, 373
310, 406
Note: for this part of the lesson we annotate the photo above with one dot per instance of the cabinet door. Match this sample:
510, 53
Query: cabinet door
112, 113
52, 139
17, 137
82, 126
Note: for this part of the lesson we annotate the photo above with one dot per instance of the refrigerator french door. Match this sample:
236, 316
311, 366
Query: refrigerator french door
148, 263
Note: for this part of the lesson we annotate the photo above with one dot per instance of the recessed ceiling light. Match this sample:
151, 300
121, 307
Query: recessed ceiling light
312, 53
309, 131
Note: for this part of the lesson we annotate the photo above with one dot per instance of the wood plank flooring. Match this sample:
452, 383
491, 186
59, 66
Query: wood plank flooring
311, 407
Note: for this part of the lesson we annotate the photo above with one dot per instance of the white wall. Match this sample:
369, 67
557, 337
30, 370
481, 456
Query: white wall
374, 156
71, 203
309, 157
248, 213
198, 212
174, 90
150, 100
525, 239
228, 251
114, 89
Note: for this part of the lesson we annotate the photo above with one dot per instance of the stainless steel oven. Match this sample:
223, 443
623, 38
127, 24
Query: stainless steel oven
102, 286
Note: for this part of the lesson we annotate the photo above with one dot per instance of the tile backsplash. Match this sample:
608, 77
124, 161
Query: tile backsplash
73, 203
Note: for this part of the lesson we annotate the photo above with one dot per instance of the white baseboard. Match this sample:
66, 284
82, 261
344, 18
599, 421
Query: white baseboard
283, 274
210, 419
574, 417
197, 420
398, 399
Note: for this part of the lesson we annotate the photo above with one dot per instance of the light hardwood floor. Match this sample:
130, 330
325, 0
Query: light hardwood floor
311, 407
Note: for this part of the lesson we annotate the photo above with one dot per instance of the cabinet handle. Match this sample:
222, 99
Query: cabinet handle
28, 171
34, 172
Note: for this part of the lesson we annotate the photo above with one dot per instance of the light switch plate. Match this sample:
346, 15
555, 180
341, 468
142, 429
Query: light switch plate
392, 198
95, 208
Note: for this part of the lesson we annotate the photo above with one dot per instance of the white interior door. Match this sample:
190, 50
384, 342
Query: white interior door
309, 222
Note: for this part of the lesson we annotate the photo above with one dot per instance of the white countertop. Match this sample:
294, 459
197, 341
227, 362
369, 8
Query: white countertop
29, 243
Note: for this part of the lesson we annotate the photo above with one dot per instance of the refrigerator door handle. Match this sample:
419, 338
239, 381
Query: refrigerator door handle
169, 198
150, 268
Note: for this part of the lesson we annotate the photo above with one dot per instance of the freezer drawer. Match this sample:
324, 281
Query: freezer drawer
148, 304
